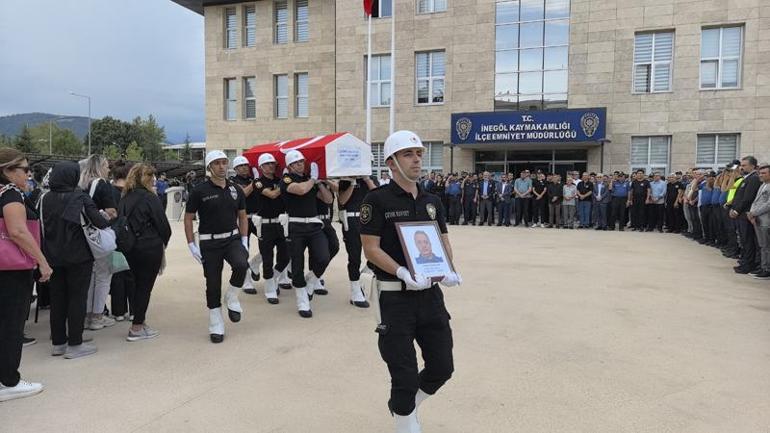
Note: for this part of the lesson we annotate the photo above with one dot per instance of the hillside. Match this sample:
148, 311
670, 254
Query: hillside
13, 124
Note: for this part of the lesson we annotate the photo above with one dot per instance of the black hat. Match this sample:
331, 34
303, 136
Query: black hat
712, 174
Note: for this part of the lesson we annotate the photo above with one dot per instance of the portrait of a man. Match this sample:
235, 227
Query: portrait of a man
424, 246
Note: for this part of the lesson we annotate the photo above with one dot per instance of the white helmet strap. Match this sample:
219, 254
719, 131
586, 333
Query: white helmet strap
400, 170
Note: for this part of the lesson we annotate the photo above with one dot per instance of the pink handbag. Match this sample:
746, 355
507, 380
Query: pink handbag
12, 257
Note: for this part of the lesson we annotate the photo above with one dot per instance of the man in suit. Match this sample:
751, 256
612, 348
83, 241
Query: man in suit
429, 182
486, 195
759, 216
504, 200
601, 200
744, 197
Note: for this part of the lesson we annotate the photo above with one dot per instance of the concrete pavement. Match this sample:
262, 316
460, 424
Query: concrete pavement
555, 331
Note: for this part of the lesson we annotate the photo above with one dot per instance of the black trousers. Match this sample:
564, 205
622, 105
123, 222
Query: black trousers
697, 227
352, 239
749, 257
43, 291
655, 216
122, 293
272, 238
521, 207
618, 212
469, 211
215, 253
638, 220
673, 220
731, 232
409, 316
310, 236
145, 260
15, 296
69, 293
487, 212
454, 209
538, 210
705, 216
331, 237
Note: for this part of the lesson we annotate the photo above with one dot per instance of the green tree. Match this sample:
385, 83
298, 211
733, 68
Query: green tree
62, 141
134, 152
112, 152
150, 137
110, 131
24, 141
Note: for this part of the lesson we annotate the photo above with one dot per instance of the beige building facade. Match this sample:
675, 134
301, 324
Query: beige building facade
683, 83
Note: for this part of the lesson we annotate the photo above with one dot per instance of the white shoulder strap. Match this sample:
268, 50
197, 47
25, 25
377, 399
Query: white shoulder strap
93, 187
40, 214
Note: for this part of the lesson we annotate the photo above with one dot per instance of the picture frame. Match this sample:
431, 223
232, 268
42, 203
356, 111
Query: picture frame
424, 249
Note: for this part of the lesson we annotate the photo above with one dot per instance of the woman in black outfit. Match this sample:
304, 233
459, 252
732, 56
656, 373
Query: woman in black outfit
122, 284
16, 285
146, 218
66, 248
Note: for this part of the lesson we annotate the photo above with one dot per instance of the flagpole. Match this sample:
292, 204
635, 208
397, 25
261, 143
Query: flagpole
392, 66
368, 83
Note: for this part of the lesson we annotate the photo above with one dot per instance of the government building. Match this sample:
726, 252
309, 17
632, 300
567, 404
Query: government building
557, 85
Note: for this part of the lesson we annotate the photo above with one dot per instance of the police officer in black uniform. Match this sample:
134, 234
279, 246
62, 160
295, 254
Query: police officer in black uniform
325, 215
638, 197
304, 228
268, 225
245, 180
351, 195
224, 236
411, 306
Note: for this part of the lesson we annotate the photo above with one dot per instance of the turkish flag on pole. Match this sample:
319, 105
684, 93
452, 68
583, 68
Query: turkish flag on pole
368, 6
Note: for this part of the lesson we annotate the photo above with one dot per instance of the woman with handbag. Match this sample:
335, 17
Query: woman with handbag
93, 174
66, 247
19, 252
147, 221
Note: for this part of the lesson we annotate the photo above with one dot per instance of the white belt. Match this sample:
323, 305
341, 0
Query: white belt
270, 221
395, 286
324, 217
208, 237
305, 220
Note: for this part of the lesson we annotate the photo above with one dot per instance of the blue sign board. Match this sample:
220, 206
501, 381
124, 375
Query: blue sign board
553, 126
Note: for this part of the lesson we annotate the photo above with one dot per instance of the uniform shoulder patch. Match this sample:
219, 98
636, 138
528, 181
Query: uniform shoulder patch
286, 180
366, 213
431, 209
258, 184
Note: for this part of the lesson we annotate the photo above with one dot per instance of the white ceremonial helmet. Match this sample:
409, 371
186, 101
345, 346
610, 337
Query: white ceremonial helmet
213, 156
240, 160
266, 158
401, 140
293, 156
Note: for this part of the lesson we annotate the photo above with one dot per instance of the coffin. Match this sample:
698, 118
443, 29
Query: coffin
336, 155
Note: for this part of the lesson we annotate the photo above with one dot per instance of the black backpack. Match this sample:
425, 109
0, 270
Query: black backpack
125, 235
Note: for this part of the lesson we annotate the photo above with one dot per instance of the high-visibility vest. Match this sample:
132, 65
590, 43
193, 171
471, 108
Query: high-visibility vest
733, 189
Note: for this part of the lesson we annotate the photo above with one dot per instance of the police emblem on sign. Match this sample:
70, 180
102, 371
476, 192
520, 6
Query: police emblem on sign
431, 210
366, 213
463, 127
233, 193
590, 123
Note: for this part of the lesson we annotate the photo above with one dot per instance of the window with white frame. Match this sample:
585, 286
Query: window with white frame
249, 26
379, 81
301, 108
382, 9
281, 96
231, 29
716, 150
231, 99
430, 6
720, 57
281, 22
429, 68
301, 22
249, 99
650, 154
653, 62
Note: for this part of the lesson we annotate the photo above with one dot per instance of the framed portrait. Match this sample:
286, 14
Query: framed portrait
424, 249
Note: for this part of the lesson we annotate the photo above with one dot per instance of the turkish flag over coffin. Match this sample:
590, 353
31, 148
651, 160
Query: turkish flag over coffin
336, 155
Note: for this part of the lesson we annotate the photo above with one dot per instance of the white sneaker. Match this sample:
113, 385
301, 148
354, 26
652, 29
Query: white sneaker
22, 389
103, 322
533, 225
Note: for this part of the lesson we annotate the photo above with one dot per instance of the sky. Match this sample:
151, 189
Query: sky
133, 57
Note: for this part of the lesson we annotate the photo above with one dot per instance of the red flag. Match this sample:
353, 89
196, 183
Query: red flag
368, 6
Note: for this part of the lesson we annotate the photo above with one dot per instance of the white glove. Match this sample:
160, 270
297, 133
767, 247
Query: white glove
452, 279
196, 252
419, 281
314, 171
245, 242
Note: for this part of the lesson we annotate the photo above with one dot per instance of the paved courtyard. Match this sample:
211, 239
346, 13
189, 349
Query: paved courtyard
555, 331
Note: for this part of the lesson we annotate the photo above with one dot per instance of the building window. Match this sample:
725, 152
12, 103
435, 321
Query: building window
382, 8
301, 95
716, 150
653, 60
432, 158
281, 19
650, 154
231, 99
281, 96
720, 57
231, 29
301, 23
379, 81
430, 77
249, 26
249, 100
430, 6
531, 54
